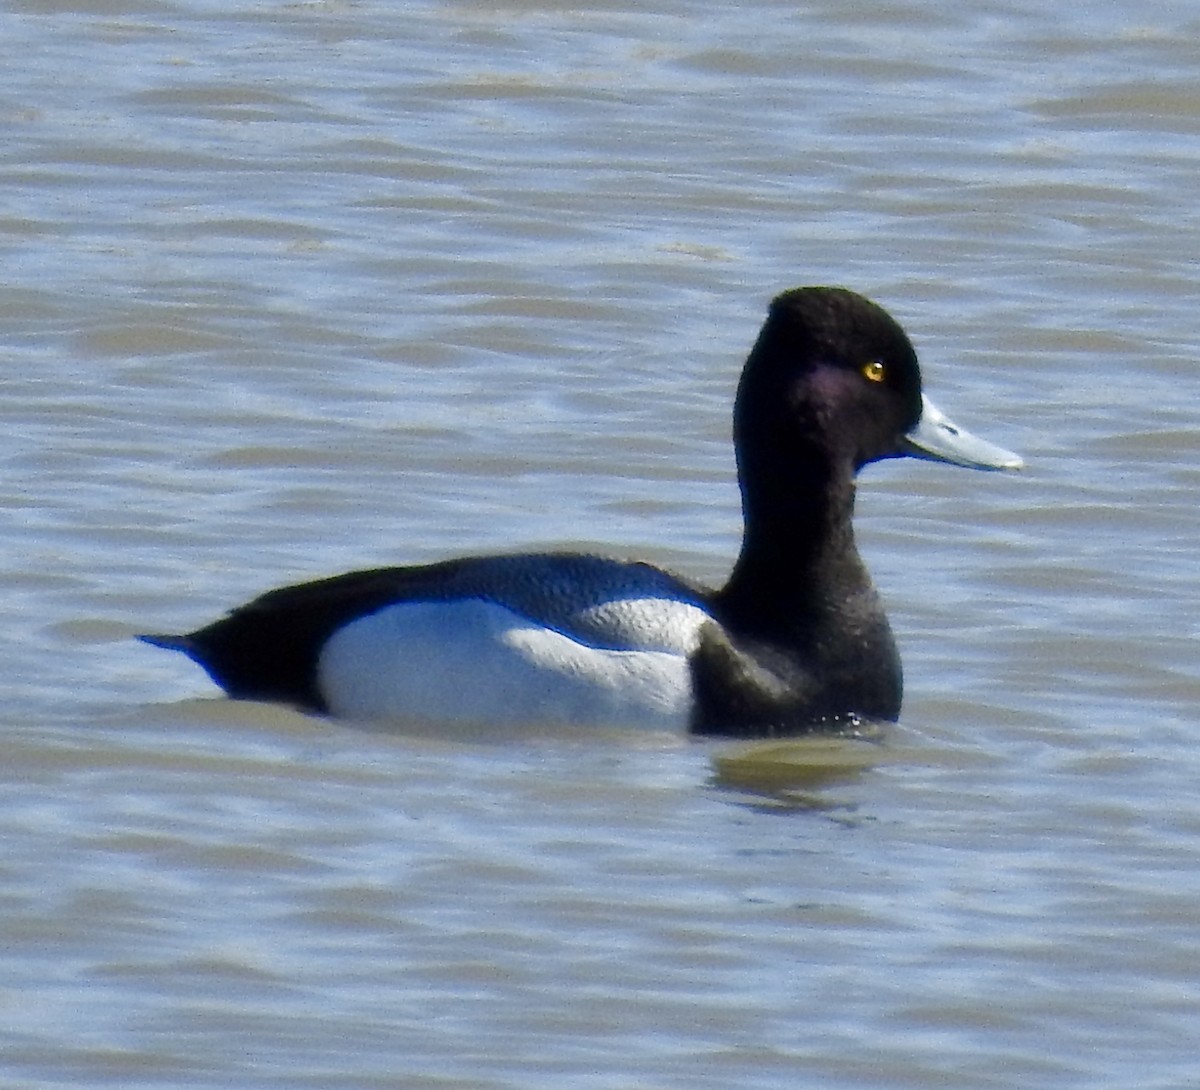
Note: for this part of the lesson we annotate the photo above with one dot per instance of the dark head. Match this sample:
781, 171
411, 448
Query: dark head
833, 380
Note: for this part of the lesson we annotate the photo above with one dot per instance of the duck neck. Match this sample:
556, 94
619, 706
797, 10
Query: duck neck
799, 562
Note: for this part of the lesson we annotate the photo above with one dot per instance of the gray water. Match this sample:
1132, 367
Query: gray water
292, 288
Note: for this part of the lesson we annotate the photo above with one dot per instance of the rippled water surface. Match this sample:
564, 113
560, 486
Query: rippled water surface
291, 288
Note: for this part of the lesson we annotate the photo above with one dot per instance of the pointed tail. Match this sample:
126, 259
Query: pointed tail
184, 644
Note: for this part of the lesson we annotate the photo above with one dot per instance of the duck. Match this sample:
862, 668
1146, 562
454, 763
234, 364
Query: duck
796, 640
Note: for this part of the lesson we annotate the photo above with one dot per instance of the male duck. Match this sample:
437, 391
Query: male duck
796, 639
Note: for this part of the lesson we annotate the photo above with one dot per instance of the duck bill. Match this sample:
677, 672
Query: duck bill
936, 438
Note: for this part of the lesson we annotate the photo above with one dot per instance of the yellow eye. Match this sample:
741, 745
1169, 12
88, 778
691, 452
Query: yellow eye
873, 371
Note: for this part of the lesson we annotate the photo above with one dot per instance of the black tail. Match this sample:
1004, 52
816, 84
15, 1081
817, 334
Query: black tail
184, 644
254, 655
270, 648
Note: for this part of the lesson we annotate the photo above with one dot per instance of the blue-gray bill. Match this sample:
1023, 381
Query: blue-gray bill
939, 439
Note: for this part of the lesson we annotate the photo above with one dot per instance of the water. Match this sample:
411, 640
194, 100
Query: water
296, 288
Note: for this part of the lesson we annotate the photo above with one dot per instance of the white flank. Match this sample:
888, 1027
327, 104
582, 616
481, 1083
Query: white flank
471, 661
